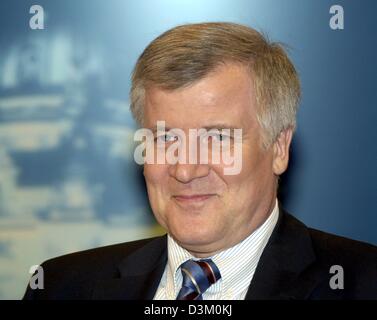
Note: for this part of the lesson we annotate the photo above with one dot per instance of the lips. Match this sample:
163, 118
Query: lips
193, 198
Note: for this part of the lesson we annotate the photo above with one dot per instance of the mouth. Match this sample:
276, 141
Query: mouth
193, 198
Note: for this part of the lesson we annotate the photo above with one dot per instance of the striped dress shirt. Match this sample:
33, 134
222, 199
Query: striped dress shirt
236, 264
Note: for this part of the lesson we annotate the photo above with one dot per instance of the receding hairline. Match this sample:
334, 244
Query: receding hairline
224, 64
223, 67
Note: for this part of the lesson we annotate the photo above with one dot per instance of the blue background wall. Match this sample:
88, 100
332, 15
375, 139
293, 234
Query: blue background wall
67, 177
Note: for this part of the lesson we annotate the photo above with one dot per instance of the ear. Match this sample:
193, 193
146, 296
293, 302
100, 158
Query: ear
281, 151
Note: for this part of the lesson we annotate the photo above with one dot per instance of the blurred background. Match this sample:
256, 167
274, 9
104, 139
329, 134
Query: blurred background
68, 181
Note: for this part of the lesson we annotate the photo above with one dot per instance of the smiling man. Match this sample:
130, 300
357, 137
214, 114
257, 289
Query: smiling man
205, 210
227, 235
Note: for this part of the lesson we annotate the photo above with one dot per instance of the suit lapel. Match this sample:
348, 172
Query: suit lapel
284, 270
140, 274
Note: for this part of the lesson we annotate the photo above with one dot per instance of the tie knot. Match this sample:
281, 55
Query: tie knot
198, 276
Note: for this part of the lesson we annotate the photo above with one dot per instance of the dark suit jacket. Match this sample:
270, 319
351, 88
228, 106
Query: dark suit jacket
295, 264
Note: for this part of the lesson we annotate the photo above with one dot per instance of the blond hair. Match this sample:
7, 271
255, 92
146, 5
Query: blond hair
188, 53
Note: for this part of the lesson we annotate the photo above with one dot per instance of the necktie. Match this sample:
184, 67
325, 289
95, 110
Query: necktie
198, 276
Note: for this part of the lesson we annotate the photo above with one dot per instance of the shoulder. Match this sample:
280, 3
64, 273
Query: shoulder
328, 246
327, 241
358, 256
98, 257
356, 260
73, 275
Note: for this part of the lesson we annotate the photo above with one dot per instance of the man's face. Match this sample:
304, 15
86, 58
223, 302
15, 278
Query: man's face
204, 210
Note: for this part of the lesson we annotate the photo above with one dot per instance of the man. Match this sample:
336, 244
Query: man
227, 236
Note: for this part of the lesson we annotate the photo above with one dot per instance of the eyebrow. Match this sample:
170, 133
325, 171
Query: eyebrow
219, 126
154, 128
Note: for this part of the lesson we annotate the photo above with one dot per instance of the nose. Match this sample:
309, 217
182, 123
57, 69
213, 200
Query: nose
185, 173
189, 166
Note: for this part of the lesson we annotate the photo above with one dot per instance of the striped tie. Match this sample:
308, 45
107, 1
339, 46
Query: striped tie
198, 276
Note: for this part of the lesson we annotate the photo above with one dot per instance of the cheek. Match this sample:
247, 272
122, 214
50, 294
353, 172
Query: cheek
155, 178
256, 178
256, 172
153, 173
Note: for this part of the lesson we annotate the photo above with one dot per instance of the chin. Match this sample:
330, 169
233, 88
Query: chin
190, 237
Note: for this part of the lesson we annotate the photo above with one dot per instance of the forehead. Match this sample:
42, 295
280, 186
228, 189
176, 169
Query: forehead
225, 96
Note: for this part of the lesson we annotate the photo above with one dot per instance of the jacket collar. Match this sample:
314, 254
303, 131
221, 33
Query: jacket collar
284, 270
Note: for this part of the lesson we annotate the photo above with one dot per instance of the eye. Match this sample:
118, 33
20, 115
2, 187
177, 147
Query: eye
166, 137
220, 137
